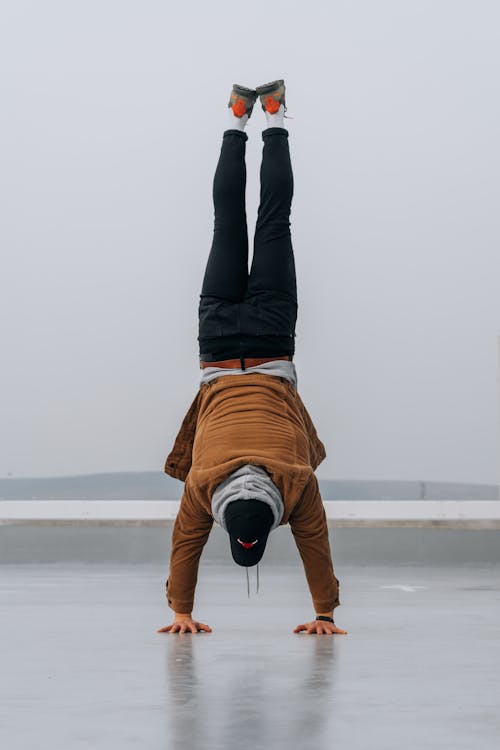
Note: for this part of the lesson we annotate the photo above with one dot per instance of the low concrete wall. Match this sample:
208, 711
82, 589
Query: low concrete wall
53, 542
337, 511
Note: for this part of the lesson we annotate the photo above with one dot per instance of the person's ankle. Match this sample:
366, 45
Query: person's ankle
236, 123
276, 120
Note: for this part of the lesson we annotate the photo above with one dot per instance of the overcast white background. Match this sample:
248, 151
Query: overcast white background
112, 114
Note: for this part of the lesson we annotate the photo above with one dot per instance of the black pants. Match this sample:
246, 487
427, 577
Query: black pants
241, 314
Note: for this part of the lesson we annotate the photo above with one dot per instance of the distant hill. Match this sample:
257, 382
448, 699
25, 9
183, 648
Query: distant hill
154, 485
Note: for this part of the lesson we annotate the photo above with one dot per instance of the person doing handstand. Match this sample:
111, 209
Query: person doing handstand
247, 448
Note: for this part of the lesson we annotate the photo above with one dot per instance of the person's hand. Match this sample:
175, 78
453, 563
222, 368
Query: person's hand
185, 624
320, 627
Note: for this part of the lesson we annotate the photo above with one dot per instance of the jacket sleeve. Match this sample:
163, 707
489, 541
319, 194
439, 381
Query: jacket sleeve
190, 533
310, 530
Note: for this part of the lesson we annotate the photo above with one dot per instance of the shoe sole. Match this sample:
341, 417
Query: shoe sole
267, 88
243, 91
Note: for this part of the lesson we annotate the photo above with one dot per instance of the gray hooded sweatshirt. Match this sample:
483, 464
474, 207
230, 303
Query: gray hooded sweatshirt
247, 483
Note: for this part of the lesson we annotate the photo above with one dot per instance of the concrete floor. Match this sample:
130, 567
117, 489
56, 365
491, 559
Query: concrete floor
83, 666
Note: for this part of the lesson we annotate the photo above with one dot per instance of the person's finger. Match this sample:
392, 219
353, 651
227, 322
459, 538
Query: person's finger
193, 627
165, 629
183, 628
204, 627
175, 628
299, 628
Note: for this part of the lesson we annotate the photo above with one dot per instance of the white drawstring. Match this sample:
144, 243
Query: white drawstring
248, 581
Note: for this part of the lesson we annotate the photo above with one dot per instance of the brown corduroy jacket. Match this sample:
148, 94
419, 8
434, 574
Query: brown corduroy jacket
249, 419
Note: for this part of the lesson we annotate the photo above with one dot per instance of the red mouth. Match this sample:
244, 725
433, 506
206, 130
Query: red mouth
248, 545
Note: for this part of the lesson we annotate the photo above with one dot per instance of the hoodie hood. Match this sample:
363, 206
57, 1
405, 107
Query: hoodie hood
247, 483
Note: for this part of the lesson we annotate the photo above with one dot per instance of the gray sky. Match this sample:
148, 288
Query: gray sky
111, 118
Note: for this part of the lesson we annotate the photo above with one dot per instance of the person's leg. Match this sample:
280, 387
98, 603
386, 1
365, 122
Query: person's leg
273, 266
226, 272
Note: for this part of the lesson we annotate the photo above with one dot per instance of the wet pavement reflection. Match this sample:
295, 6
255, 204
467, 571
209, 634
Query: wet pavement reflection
83, 665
